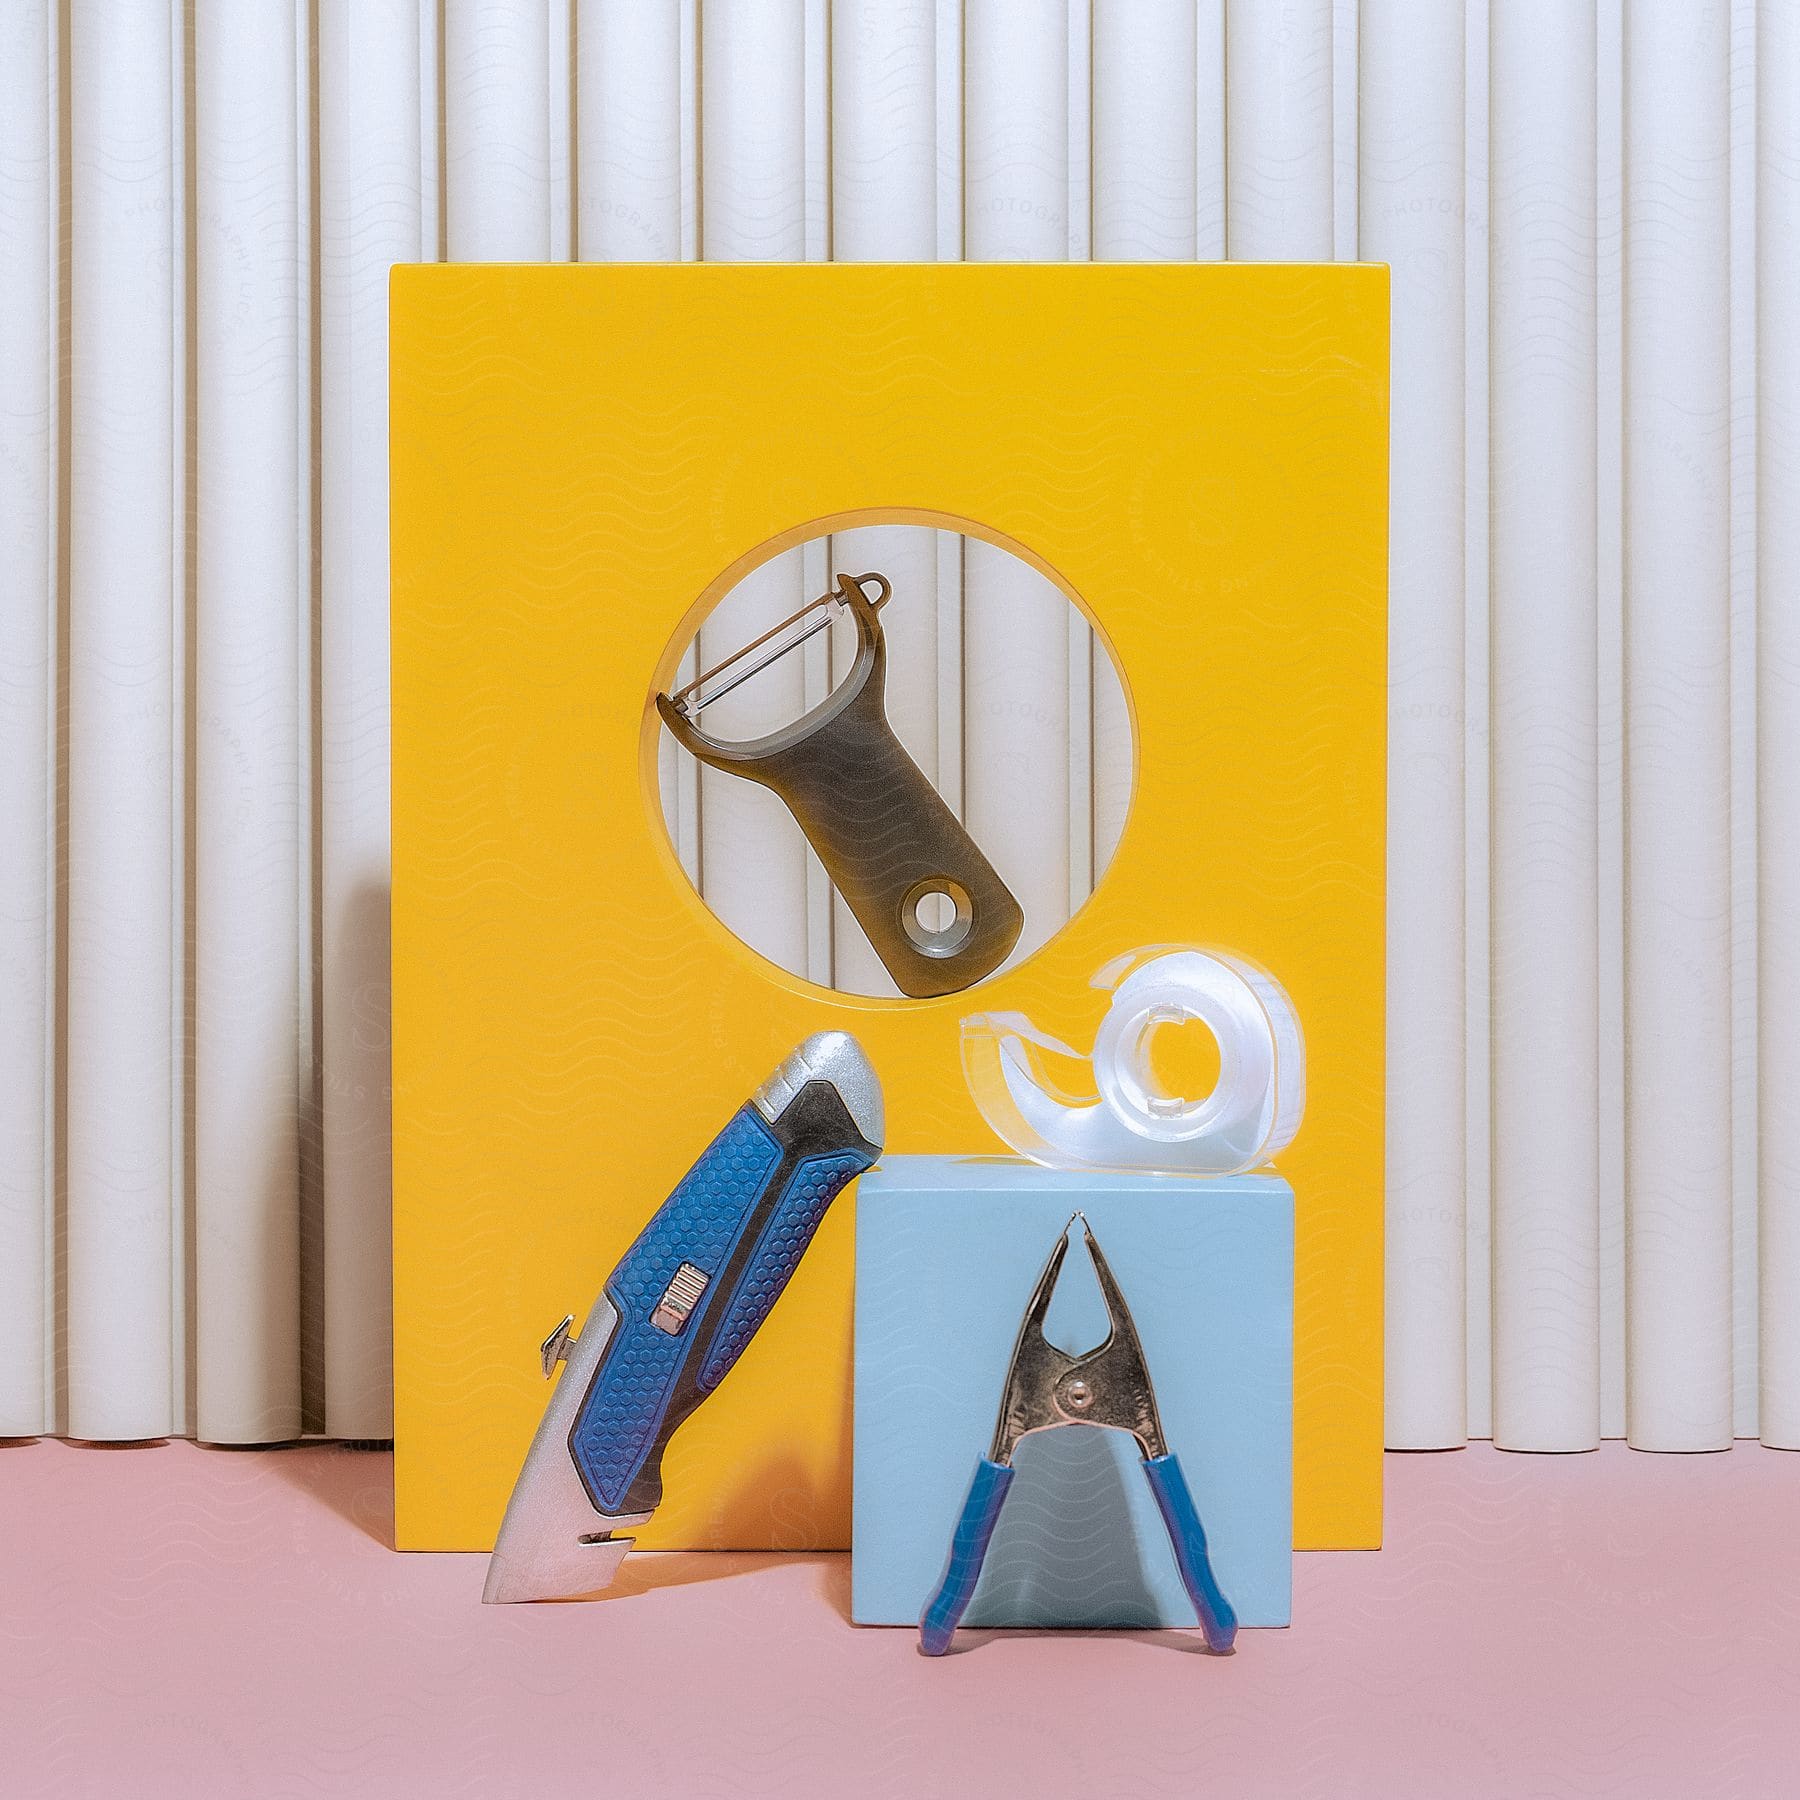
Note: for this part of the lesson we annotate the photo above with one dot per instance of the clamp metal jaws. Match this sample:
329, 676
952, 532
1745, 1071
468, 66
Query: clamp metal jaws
1109, 1387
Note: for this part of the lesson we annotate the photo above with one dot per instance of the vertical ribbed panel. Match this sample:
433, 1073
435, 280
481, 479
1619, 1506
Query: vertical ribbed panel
1476, 1100
1210, 187
373, 211
496, 60
29, 226
628, 131
1677, 699
1346, 125
1015, 623
559, 125
252, 548
1146, 165
1601, 347
1411, 213
1778, 712
1609, 566
1281, 192
1544, 640
127, 588
1745, 951
753, 137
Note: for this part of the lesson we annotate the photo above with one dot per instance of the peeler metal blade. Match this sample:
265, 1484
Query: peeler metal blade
789, 634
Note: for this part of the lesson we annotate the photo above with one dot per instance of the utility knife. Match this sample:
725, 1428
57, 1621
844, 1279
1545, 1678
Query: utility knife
676, 1314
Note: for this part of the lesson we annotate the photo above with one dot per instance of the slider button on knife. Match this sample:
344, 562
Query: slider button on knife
676, 1306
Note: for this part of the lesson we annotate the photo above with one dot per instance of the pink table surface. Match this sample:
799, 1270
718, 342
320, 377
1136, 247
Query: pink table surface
206, 1622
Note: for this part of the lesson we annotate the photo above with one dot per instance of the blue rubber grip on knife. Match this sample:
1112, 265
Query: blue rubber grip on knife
812, 1187
702, 1222
1187, 1536
968, 1550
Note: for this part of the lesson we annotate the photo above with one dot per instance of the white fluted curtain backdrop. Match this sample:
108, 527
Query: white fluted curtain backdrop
1592, 212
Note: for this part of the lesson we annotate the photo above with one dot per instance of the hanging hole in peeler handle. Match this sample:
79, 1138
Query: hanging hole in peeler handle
937, 915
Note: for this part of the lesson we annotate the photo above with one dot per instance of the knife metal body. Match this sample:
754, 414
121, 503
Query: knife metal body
676, 1314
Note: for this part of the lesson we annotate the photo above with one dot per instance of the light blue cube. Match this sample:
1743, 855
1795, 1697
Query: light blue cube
948, 1250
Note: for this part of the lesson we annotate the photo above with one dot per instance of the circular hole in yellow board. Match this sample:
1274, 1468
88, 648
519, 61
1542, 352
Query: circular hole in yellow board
997, 687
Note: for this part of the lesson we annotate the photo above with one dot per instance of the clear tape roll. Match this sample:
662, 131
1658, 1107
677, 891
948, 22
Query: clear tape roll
1129, 1121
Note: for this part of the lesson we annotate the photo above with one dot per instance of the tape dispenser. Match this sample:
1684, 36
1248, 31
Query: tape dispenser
1126, 1120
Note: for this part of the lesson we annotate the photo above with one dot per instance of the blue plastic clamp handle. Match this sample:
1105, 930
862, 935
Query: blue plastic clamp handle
968, 1547
1217, 1619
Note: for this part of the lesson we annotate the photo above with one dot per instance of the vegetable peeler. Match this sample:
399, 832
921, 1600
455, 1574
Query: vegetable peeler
1108, 1386
937, 914
676, 1314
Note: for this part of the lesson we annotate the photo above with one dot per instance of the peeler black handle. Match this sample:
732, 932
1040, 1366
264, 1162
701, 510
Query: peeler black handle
938, 915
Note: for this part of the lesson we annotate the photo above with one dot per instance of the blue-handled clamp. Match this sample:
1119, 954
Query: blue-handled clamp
1045, 1388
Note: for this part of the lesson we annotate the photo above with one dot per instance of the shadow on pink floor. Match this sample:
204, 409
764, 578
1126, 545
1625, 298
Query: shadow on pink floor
191, 1622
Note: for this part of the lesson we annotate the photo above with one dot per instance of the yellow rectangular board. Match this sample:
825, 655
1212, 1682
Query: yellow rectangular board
583, 459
